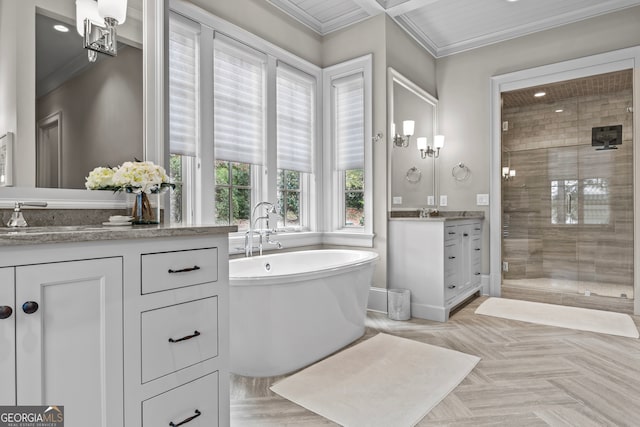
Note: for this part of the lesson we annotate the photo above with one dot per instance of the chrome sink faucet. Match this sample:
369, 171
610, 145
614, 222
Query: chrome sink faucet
17, 219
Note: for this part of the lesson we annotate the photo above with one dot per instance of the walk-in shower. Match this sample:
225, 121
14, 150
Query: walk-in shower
567, 189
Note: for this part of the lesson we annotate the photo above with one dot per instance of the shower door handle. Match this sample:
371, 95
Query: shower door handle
569, 202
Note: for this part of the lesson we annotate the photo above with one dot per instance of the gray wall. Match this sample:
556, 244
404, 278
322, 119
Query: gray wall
464, 94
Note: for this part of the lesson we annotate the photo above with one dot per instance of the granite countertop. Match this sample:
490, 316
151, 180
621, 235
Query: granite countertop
414, 215
91, 233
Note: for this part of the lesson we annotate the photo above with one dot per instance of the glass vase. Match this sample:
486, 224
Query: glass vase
142, 210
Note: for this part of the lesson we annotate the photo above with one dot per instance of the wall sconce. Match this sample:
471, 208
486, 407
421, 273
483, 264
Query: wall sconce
508, 173
408, 127
96, 21
425, 150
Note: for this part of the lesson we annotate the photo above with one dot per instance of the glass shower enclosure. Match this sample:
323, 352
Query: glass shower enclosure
567, 189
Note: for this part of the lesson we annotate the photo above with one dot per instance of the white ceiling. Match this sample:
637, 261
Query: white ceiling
446, 27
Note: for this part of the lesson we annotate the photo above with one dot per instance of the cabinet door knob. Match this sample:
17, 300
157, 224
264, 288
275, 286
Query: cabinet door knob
191, 418
477, 249
452, 257
466, 234
477, 274
5, 311
451, 286
30, 307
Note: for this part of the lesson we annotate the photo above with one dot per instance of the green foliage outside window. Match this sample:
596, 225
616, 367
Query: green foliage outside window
175, 172
289, 197
233, 193
354, 197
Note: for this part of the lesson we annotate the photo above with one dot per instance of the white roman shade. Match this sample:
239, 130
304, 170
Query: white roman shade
295, 105
349, 121
183, 85
239, 102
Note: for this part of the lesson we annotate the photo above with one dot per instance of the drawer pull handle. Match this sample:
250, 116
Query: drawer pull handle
191, 418
466, 234
452, 257
477, 249
477, 274
188, 337
5, 311
30, 307
184, 270
452, 232
477, 229
451, 286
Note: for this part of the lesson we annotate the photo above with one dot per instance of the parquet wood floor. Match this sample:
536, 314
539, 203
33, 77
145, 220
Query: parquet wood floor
529, 375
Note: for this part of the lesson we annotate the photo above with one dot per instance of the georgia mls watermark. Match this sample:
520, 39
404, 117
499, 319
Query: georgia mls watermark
32, 416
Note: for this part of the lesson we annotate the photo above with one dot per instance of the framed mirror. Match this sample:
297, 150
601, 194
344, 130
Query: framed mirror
412, 179
54, 146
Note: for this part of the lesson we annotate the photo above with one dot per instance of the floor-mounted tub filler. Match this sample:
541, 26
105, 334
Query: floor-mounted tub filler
289, 310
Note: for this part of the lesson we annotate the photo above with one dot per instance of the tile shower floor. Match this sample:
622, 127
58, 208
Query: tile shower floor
573, 286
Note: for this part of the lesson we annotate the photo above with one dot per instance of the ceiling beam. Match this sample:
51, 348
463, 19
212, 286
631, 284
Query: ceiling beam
408, 6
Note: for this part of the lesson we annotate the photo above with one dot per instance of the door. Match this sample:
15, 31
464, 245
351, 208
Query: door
49, 152
7, 337
69, 339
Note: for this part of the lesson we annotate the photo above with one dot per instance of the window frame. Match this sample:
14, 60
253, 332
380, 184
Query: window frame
266, 182
333, 181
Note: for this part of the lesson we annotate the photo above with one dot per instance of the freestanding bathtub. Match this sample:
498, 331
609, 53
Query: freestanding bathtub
291, 309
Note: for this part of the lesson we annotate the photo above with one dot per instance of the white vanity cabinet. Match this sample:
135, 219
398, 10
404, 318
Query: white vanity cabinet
69, 338
67, 324
120, 331
438, 260
7, 337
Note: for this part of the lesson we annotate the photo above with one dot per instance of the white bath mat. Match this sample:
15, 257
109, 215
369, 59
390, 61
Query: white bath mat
582, 319
383, 381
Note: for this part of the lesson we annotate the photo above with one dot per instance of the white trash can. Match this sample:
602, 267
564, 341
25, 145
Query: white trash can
399, 304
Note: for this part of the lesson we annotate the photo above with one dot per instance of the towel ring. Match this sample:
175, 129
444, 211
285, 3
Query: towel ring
461, 172
414, 175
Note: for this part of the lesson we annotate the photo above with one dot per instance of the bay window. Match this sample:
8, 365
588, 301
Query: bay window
244, 119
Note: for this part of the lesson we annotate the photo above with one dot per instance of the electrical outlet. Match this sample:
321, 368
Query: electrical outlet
505, 266
431, 200
505, 126
443, 200
482, 199
397, 200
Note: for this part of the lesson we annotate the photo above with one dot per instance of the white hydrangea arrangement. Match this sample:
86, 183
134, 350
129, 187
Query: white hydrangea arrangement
133, 177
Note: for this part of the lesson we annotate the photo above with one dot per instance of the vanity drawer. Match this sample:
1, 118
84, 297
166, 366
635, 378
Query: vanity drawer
170, 270
450, 232
197, 400
178, 336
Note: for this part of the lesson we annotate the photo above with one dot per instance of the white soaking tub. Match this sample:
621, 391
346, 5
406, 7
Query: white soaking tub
289, 310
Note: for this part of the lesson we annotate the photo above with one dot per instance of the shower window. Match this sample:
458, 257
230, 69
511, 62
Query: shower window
567, 208
596, 205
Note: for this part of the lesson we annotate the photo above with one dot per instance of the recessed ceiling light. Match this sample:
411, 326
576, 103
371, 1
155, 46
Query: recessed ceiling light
559, 110
539, 94
61, 28
512, 1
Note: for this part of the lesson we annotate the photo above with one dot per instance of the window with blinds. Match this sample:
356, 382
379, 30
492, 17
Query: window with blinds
239, 102
349, 121
183, 86
295, 103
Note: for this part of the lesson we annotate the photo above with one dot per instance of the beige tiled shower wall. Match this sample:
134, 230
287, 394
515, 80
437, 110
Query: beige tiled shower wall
544, 146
